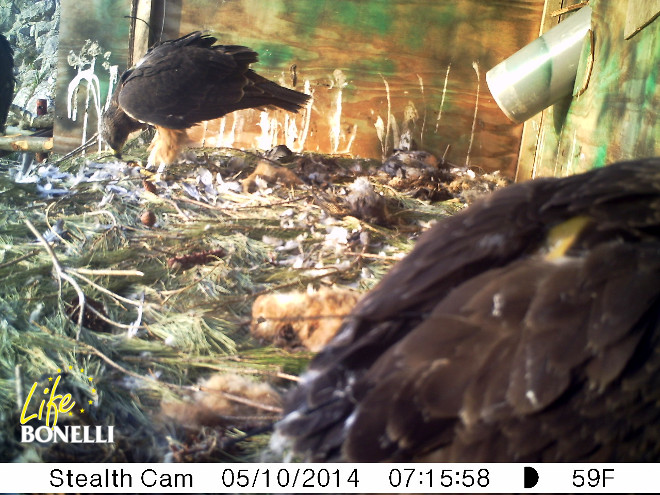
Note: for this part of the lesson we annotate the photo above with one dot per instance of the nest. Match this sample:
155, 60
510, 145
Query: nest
168, 268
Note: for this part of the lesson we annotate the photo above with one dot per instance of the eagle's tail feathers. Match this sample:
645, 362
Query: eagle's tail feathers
265, 92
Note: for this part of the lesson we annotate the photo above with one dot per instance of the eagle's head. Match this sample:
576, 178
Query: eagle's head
116, 127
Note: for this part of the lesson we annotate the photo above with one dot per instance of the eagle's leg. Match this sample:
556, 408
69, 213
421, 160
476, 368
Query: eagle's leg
165, 147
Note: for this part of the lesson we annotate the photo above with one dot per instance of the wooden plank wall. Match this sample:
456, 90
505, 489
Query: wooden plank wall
616, 117
379, 70
418, 65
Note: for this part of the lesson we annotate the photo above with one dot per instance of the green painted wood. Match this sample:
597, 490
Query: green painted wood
92, 33
531, 135
640, 14
616, 118
380, 71
419, 65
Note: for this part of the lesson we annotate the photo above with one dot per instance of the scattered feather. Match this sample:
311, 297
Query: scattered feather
308, 319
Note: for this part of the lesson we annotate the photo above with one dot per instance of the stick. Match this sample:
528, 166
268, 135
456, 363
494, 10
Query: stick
570, 8
26, 143
116, 273
117, 297
88, 144
19, 259
61, 275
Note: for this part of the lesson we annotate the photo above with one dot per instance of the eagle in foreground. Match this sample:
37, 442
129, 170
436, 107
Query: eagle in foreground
526, 328
182, 82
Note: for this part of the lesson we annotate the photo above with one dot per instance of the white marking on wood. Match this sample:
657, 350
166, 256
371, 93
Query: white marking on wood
442, 100
475, 66
421, 85
389, 115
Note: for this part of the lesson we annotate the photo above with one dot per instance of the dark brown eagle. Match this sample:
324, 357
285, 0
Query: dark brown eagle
7, 80
182, 82
526, 328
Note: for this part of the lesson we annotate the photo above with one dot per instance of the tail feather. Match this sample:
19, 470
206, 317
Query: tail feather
265, 92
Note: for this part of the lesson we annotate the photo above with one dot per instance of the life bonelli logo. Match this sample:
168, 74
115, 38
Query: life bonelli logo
43, 427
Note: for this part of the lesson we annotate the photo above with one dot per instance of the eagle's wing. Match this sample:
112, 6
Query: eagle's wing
182, 82
179, 84
525, 328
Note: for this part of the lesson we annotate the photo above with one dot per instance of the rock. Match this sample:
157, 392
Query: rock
37, 10
32, 28
48, 47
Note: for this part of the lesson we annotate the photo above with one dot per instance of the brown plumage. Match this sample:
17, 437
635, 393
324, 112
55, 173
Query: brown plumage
7, 80
526, 328
182, 82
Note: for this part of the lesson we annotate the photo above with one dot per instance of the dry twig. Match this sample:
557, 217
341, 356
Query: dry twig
61, 275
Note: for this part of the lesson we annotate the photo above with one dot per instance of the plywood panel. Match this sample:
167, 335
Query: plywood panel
379, 71
640, 14
417, 65
93, 38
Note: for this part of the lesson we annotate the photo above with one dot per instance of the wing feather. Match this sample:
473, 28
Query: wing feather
479, 347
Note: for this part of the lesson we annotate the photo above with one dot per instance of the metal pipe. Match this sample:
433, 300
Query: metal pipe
542, 72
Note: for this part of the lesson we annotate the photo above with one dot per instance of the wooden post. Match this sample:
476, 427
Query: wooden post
42, 109
26, 143
140, 28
